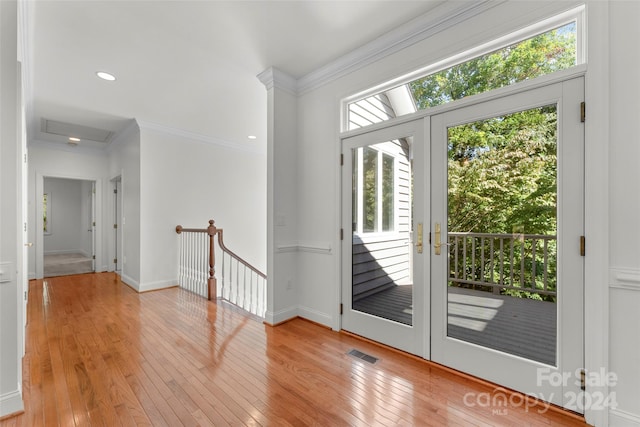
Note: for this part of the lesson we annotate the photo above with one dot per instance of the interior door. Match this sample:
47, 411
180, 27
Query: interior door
507, 220
383, 264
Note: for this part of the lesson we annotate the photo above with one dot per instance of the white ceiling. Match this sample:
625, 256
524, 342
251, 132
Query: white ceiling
188, 65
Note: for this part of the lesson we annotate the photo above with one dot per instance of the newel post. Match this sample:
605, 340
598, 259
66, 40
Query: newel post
212, 284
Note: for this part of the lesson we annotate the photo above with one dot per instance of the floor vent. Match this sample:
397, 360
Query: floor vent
363, 356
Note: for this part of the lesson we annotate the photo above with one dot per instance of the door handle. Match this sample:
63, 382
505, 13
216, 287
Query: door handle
437, 245
28, 244
419, 245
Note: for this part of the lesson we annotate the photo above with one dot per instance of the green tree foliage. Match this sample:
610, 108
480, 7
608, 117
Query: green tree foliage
502, 171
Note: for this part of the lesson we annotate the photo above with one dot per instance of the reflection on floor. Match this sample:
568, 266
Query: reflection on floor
66, 264
522, 327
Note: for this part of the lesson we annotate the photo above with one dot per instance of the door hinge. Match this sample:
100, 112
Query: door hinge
115, 260
115, 191
429, 237
25, 226
342, 234
25, 158
582, 244
341, 308
583, 113
94, 257
115, 225
341, 159
94, 223
25, 295
583, 385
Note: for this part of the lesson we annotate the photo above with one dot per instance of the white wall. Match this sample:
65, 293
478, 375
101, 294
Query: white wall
64, 209
11, 328
70, 164
188, 181
124, 162
611, 51
624, 210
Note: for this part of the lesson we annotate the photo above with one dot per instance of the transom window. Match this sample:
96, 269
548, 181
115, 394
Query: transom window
555, 46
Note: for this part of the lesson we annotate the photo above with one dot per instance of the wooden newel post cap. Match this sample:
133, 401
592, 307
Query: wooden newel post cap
178, 229
211, 230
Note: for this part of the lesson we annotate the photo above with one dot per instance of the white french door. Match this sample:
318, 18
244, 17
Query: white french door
383, 292
462, 239
507, 290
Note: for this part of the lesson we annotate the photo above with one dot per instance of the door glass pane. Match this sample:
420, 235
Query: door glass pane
370, 189
382, 279
502, 228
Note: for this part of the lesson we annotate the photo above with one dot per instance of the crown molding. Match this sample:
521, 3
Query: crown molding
275, 78
121, 136
196, 137
424, 26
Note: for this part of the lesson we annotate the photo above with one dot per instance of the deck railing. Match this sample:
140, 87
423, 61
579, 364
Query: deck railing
240, 283
511, 263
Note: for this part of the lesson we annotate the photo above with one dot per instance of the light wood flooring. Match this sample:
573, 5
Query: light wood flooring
99, 353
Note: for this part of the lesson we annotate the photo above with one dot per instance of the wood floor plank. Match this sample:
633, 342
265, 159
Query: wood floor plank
98, 353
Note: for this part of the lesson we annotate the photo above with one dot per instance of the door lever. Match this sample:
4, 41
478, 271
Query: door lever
419, 245
437, 245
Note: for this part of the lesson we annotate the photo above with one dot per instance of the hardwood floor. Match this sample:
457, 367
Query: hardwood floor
100, 354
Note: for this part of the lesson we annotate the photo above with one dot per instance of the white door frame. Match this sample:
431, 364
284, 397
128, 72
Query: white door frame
39, 235
502, 368
414, 338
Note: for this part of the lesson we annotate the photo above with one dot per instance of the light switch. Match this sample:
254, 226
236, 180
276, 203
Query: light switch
6, 272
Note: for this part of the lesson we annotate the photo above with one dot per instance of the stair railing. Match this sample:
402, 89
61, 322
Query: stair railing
241, 283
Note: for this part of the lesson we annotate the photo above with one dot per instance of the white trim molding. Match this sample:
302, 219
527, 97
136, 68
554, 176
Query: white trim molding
196, 137
623, 419
133, 284
275, 78
315, 316
11, 403
309, 247
624, 278
434, 21
280, 316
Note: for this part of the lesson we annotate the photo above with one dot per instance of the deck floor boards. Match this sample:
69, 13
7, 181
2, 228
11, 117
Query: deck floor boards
518, 326
98, 353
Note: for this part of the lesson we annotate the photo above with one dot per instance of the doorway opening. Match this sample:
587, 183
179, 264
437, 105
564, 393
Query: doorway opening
68, 218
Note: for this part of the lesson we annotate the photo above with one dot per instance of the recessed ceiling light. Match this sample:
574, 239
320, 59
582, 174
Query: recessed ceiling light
105, 76
252, 137
72, 139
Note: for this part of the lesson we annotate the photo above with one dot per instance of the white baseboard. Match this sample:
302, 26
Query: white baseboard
315, 316
32, 275
154, 286
133, 284
623, 419
273, 318
146, 287
10, 403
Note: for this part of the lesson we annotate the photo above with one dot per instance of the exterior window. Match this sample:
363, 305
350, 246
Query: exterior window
500, 63
373, 189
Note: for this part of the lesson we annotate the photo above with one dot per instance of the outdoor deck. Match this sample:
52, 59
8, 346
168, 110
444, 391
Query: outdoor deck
522, 327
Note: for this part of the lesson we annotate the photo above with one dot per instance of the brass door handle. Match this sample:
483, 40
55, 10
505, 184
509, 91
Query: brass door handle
437, 245
419, 245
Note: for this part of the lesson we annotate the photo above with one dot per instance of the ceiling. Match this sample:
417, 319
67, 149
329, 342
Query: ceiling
187, 65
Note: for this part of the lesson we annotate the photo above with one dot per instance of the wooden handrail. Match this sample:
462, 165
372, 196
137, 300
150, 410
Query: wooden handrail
212, 230
231, 253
